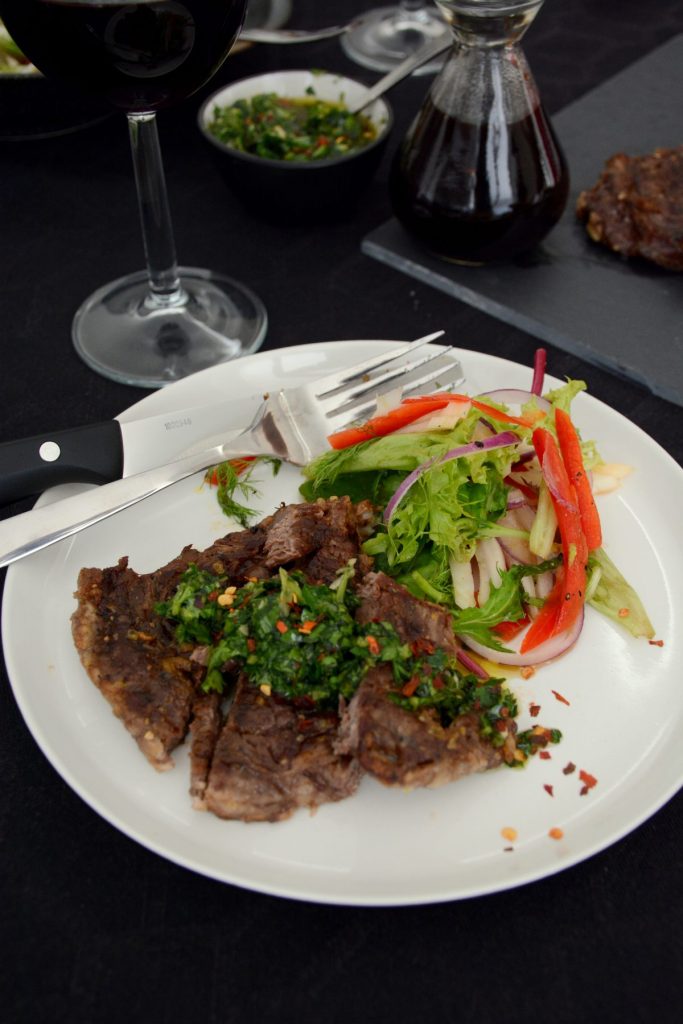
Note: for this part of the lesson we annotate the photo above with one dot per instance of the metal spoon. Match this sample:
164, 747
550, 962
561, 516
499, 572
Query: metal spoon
291, 35
426, 53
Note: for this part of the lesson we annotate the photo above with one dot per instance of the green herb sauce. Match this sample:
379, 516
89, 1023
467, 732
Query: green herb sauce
279, 128
301, 640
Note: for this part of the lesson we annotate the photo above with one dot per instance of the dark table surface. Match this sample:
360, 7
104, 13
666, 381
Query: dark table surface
95, 927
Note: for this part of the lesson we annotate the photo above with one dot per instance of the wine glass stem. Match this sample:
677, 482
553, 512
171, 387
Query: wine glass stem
155, 215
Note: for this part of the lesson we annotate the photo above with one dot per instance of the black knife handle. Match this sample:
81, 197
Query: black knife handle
32, 464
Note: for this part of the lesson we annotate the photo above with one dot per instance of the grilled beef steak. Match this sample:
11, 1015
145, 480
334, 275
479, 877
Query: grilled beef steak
131, 655
205, 727
272, 758
268, 756
384, 600
636, 207
402, 747
412, 748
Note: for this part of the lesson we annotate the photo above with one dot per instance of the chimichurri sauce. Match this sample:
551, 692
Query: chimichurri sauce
279, 128
301, 641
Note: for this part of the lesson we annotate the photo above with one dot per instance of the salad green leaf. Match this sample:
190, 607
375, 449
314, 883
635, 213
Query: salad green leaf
611, 594
504, 604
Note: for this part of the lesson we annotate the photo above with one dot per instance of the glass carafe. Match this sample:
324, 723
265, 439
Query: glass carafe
480, 175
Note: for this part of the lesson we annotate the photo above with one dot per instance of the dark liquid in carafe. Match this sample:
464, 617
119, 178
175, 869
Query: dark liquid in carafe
474, 193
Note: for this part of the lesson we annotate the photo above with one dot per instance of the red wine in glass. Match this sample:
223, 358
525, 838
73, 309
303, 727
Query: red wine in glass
154, 326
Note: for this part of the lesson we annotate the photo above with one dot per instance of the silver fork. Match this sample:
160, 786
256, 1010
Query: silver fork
292, 425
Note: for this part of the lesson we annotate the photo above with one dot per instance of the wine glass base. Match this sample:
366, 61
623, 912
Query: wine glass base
125, 333
385, 36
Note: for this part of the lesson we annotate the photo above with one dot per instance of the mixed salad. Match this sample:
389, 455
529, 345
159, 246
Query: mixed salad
487, 507
12, 60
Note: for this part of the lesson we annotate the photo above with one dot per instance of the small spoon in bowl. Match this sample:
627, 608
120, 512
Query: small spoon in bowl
426, 53
291, 35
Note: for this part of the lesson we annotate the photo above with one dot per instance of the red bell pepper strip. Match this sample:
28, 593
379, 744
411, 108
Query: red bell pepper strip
380, 426
570, 447
543, 626
488, 410
239, 465
509, 629
567, 597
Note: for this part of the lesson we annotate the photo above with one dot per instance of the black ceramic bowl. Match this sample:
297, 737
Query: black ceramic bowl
298, 190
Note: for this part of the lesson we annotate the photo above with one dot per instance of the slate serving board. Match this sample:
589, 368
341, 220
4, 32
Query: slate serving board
625, 316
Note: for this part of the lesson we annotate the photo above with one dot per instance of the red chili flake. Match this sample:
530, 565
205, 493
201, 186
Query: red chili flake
544, 755
549, 789
534, 710
439, 684
422, 646
569, 768
251, 643
281, 626
656, 643
558, 696
410, 687
373, 646
308, 626
588, 782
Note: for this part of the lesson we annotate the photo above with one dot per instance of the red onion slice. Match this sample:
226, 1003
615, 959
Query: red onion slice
546, 651
471, 665
539, 371
516, 396
503, 440
516, 499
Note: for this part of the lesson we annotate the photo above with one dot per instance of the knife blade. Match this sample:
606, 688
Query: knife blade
113, 449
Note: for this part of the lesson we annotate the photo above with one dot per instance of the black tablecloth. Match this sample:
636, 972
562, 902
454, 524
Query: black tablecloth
95, 927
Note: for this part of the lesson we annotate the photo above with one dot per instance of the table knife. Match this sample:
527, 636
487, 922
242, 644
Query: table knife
102, 452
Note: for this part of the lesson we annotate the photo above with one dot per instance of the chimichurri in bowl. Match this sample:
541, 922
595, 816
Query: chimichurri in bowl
288, 145
284, 128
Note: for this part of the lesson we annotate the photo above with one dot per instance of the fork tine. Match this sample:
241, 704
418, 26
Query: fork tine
407, 373
444, 378
336, 381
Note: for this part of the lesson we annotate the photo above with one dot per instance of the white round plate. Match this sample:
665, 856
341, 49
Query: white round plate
622, 723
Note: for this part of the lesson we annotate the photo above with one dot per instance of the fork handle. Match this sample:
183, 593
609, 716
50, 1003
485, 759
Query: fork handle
31, 531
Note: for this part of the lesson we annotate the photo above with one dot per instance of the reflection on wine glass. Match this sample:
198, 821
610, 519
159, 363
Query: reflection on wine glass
158, 325
385, 36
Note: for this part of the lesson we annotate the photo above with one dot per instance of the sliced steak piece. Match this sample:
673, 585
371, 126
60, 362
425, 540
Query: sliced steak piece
272, 758
410, 749
205, 727
384, 600
129, 654
636, 207
398, 746
318, 537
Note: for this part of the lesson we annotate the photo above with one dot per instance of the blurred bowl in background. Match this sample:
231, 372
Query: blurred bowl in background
298, 190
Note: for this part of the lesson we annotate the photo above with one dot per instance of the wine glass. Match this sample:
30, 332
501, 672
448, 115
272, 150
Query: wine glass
385, 36
155, 326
